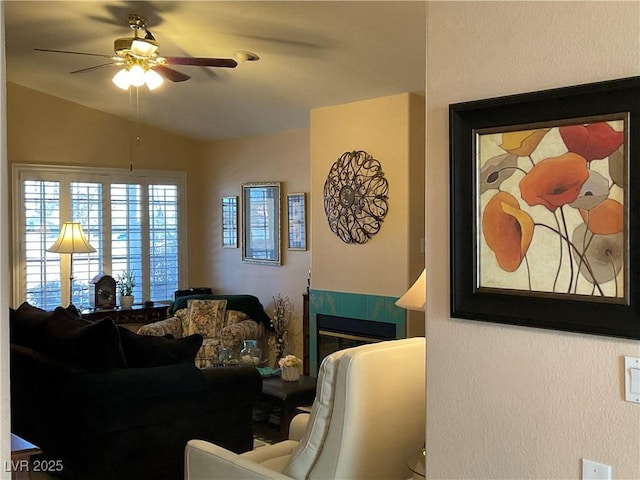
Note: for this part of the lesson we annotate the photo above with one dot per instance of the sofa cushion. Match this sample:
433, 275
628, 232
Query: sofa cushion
206, 317
126, 398
234, 316
233, 335
93, 344
150, 351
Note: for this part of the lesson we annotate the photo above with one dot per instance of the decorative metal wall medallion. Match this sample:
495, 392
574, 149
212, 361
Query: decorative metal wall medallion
356, 197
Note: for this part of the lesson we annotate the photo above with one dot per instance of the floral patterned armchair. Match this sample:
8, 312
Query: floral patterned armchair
217, 320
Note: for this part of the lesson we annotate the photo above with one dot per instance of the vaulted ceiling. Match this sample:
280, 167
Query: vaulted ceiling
312, 54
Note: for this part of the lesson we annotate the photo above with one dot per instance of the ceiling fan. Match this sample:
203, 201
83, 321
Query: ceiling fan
141, 63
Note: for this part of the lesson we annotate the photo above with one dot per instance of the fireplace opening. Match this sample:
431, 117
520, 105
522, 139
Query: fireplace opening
338, 333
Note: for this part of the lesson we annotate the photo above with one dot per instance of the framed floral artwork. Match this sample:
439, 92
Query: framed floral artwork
545, 209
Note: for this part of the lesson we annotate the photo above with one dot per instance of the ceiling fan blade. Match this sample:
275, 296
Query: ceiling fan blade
96, 67
73, 53
202, 62
170, 73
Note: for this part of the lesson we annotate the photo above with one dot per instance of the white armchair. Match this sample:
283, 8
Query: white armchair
367, 419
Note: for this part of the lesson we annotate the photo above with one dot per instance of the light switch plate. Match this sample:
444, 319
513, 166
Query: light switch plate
632, 379
595, 471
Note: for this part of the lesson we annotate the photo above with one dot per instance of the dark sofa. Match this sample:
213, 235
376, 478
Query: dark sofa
111, 404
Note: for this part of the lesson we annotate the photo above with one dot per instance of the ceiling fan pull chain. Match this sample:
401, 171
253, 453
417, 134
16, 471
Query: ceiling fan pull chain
137, 127
130, 134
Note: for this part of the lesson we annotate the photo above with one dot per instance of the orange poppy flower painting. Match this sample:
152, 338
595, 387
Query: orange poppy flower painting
545, 209
551, 209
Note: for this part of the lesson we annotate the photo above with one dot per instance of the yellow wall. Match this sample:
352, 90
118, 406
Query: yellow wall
383, 127
225, 165
43, 129
49, 130
507, 401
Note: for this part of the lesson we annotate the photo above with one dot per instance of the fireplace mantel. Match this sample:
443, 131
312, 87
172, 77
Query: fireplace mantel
351, 305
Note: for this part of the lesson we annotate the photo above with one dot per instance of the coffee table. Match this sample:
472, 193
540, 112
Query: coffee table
288, 396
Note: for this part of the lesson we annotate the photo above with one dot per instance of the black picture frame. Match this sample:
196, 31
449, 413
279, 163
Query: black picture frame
576, 107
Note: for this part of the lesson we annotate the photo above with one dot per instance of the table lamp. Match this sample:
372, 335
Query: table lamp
416, 297
71, 240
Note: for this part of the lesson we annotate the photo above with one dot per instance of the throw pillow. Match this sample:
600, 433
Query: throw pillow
27, 325
91, 344
206, 317
144, 351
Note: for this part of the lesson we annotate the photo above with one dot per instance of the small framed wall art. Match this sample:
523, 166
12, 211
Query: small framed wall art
230, 222
297, 221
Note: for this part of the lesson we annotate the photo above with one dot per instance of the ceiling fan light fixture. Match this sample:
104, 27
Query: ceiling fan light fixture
141, 63
136, 76
140, 47
121, 79
152, 79
144, 47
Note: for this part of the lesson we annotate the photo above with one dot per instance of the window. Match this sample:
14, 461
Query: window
134, 220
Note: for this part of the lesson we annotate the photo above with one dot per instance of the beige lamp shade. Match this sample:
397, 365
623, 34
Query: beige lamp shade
71, 240
416, 296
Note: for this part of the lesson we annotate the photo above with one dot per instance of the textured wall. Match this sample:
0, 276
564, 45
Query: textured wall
385, 128
506, 401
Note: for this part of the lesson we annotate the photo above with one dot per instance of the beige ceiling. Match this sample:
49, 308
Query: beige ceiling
312, 54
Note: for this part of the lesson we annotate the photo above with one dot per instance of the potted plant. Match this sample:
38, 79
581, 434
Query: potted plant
290, 366
126, 282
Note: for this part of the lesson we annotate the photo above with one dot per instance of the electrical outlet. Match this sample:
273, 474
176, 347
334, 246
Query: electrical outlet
595, 471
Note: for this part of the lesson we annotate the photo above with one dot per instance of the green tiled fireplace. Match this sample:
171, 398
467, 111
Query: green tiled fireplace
369, 308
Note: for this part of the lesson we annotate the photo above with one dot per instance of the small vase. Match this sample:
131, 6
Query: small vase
250, 353
226, 357
290, 374
126, 301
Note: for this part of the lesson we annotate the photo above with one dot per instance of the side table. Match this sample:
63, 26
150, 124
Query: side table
288, 396
135, 316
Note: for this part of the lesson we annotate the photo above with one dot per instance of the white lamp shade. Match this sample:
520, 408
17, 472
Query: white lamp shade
152, 79
71, 240
416, 296
121, 79
136, 76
